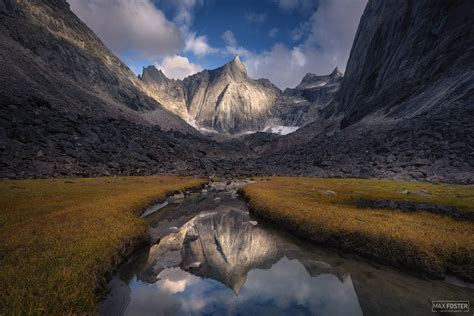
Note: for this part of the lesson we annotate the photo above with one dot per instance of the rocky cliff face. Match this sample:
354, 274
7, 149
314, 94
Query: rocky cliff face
47, 48
227, 100
68, 106
169, 92
405, 106
224, 99
409, 58
304, 103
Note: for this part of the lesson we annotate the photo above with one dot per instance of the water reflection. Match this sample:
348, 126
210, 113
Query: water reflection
285, 288
223, 262
211, 257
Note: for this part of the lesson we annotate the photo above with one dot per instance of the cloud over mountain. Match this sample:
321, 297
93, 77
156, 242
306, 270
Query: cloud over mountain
130, 25
325, 42
178, 67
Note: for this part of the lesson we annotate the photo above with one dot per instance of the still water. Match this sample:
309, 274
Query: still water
210, 257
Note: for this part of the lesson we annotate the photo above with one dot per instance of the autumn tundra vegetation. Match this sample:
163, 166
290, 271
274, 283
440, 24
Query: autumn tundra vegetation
61, 238
433, 236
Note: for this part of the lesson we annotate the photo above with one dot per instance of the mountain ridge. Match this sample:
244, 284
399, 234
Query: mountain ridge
69, 107
224, 99
293, 106
400, 113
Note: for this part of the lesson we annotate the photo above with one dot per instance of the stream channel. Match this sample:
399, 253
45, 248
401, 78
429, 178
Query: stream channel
209, 256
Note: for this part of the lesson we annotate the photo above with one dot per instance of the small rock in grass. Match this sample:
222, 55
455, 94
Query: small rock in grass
253, 223
423, 192
327, 192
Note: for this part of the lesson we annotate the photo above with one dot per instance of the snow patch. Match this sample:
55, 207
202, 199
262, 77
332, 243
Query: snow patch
315, 85
281, 129
194, 125
274, 129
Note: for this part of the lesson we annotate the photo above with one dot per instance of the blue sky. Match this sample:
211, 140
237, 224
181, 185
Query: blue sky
280, 40
256, 25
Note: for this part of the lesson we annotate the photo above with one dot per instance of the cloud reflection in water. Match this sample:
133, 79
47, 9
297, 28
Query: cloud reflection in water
285, 288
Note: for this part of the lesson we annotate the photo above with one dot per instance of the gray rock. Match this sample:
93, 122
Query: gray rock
303, 104
327, 192
173, 230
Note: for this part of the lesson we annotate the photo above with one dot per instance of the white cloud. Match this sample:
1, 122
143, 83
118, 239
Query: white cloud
333, 27
254, 17
284, 66
287, 4
302, 6
184, 16
273, 33
135, 25
299, 32
232, 47
198, 45
184, 11
326, 38
178, 67
229, 38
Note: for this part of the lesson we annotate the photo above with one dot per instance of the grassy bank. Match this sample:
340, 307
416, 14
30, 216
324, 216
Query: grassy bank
60, 237
325, 211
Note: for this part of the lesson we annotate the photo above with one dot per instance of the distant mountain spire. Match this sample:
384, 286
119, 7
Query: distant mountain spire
236, 67
151, 74
336, 72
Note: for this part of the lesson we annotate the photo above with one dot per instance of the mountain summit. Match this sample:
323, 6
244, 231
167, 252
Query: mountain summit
311, 80
169, 92
236, 68
225, 99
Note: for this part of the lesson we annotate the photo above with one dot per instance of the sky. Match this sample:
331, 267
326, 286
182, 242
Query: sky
281, 40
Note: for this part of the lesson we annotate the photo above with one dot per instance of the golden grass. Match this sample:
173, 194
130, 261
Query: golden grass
59, 238
422, 242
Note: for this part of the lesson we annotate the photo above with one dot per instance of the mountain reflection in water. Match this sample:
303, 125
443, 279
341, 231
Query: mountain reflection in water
211, 257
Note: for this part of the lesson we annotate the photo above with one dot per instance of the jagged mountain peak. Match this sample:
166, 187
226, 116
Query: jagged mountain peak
311, 80
336, 73
309, 77
227, 100
235, 68
237, 61
151, 73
